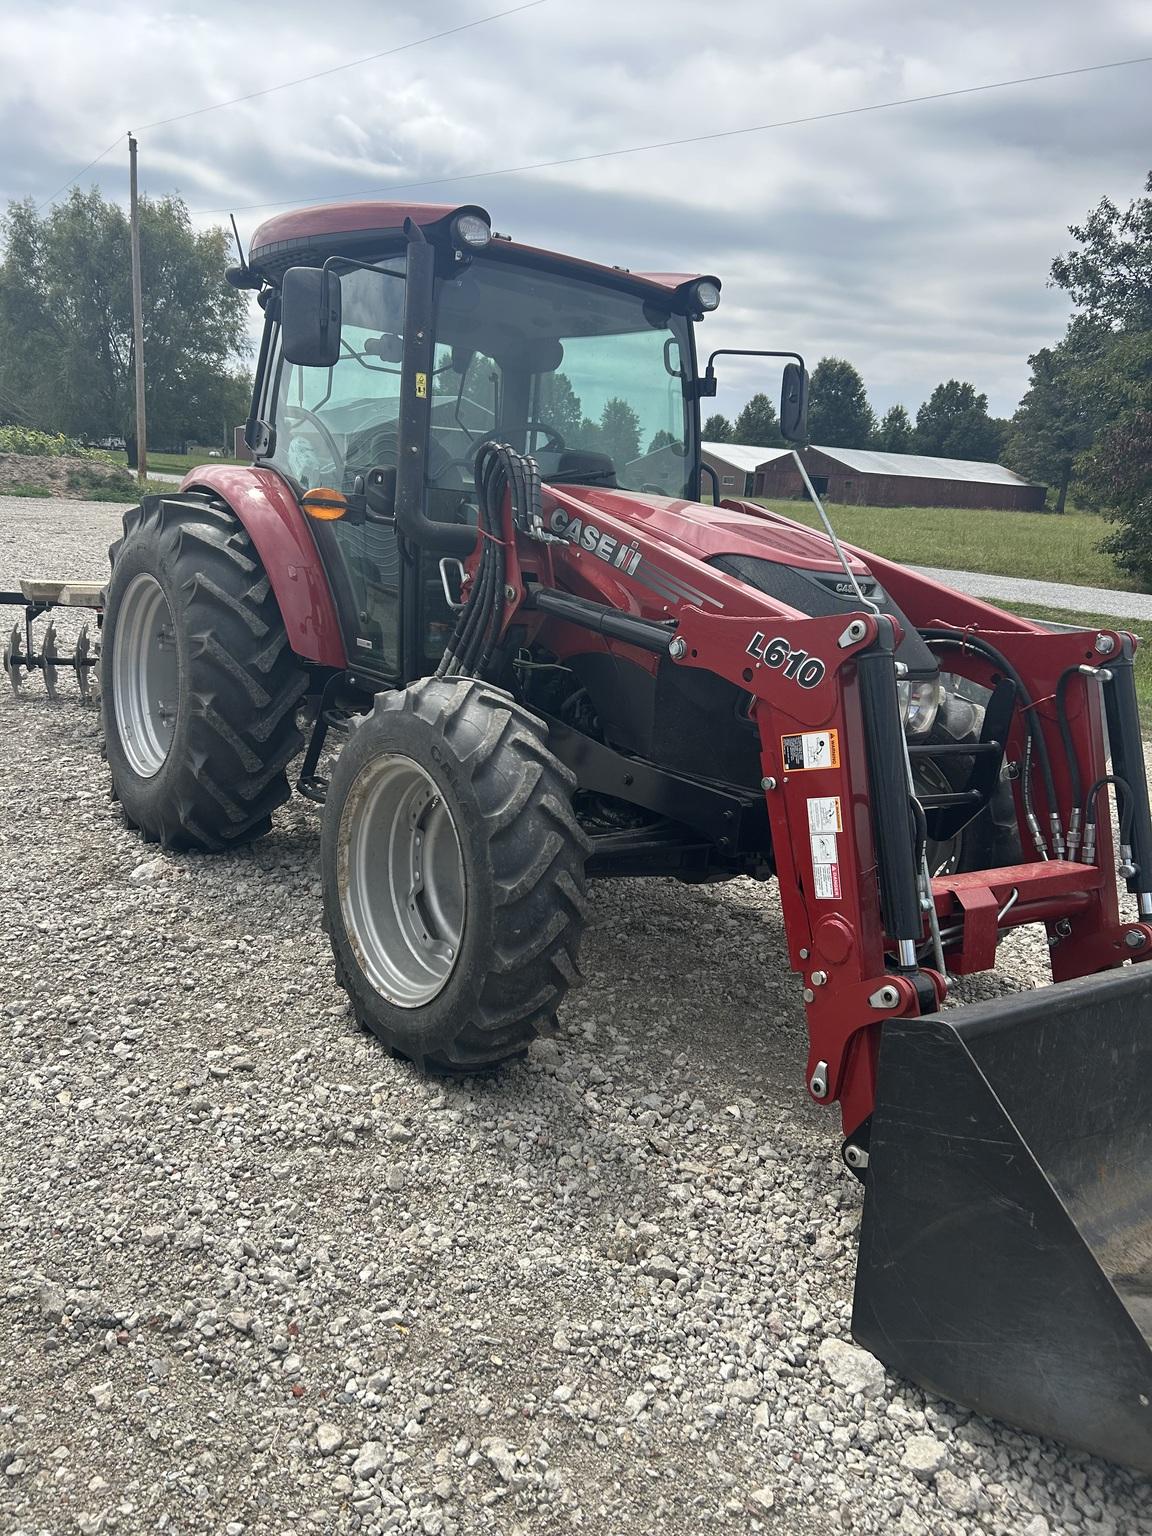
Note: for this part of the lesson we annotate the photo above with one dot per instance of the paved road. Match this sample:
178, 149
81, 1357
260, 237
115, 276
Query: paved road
1052, 594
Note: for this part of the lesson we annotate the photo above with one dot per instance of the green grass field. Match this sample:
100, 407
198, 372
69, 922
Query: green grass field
176, 463
1030, 544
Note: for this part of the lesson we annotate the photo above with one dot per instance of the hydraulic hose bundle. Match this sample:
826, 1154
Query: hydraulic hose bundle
1084, 813
965, 640
498, 469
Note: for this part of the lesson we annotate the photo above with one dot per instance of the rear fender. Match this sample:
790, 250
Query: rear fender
274, 522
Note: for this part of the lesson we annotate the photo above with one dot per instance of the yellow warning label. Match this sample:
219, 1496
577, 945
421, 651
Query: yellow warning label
421, 386
810, 749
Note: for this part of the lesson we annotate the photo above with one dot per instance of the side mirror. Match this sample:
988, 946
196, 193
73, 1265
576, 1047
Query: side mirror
310, 317
794, 404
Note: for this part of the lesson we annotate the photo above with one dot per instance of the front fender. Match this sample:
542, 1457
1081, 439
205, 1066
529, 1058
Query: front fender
274, 522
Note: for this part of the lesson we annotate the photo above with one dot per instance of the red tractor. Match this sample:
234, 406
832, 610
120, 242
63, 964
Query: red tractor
473, 543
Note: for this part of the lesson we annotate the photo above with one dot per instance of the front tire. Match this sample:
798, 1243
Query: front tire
453, 874
199, 686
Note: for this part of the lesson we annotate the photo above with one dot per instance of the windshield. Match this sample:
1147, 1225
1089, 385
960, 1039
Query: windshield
584, 377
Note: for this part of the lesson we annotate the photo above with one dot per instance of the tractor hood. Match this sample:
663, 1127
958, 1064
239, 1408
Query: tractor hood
784, 560
732, 529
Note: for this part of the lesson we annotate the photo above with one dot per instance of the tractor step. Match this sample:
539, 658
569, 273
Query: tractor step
975, 908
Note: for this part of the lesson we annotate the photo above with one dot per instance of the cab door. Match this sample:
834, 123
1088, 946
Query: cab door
334, 425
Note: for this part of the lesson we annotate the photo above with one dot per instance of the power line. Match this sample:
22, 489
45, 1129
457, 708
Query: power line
696, 138
368, 58
284, 85
78, 174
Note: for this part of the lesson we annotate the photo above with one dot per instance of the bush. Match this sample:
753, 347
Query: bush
41, 445
40, 492
100, 478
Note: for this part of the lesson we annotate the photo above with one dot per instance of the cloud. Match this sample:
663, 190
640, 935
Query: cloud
915, 242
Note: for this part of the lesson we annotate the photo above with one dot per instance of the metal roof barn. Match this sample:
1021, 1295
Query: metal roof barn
866, 477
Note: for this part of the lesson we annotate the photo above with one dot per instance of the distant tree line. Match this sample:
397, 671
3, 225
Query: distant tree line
953, 423
66, 351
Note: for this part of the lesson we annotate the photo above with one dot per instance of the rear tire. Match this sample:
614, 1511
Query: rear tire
453, 872
199, 687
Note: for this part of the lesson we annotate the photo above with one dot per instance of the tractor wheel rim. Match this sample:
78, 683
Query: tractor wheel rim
145, 675
403, 892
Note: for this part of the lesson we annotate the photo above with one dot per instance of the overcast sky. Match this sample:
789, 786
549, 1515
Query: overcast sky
915, 242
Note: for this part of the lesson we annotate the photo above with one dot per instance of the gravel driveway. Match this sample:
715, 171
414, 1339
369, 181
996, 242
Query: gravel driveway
1048, 594
261, 1277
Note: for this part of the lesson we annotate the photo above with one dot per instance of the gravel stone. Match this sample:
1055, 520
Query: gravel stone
329, 1439
606, 1289
372, 1458
924, 1455
853, 1369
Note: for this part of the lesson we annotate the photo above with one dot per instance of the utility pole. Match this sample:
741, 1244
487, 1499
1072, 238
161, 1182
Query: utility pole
137, 322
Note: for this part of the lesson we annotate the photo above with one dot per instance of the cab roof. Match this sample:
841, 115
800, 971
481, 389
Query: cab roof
310, 234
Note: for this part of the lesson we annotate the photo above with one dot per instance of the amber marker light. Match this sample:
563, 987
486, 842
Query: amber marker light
325, 504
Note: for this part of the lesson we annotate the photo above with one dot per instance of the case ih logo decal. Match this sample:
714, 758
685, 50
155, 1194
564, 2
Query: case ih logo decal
807, 670
627, 559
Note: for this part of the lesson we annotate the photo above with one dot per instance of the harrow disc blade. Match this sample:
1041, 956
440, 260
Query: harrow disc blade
83, 663
1006, 1246
48, 655
13, 659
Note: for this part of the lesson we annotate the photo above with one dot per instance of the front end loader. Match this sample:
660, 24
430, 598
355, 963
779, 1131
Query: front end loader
473, 553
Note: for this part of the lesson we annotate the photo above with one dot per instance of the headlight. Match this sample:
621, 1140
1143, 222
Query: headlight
918, 704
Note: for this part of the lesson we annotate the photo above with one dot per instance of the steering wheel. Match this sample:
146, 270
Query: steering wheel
321, 431
555, 443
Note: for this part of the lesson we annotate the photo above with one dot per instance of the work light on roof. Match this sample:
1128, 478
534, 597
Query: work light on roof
471, 230
707, 295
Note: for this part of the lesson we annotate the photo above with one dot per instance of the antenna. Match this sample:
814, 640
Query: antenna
239, 245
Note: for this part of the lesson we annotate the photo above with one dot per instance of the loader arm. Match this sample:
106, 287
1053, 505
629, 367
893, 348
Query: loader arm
822, 693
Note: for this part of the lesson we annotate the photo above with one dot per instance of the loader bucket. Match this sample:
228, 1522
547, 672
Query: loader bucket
1006, 1246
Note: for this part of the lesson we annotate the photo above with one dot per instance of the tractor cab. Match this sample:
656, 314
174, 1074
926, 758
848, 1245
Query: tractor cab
399, 339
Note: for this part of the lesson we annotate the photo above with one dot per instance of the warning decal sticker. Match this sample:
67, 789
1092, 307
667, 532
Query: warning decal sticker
810, 749
824, 814
824, 822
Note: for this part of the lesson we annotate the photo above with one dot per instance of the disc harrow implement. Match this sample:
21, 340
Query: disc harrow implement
22, 656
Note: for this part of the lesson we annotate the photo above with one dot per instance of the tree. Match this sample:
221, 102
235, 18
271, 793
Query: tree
954, 423
662, 439
619, 432
1058, 418
558, 406
1120, 471
895, 434
839, 415
1110, 277
757, 426
66, 318
717, 429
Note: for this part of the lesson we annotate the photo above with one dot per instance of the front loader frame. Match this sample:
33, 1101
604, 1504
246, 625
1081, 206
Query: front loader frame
834, 776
